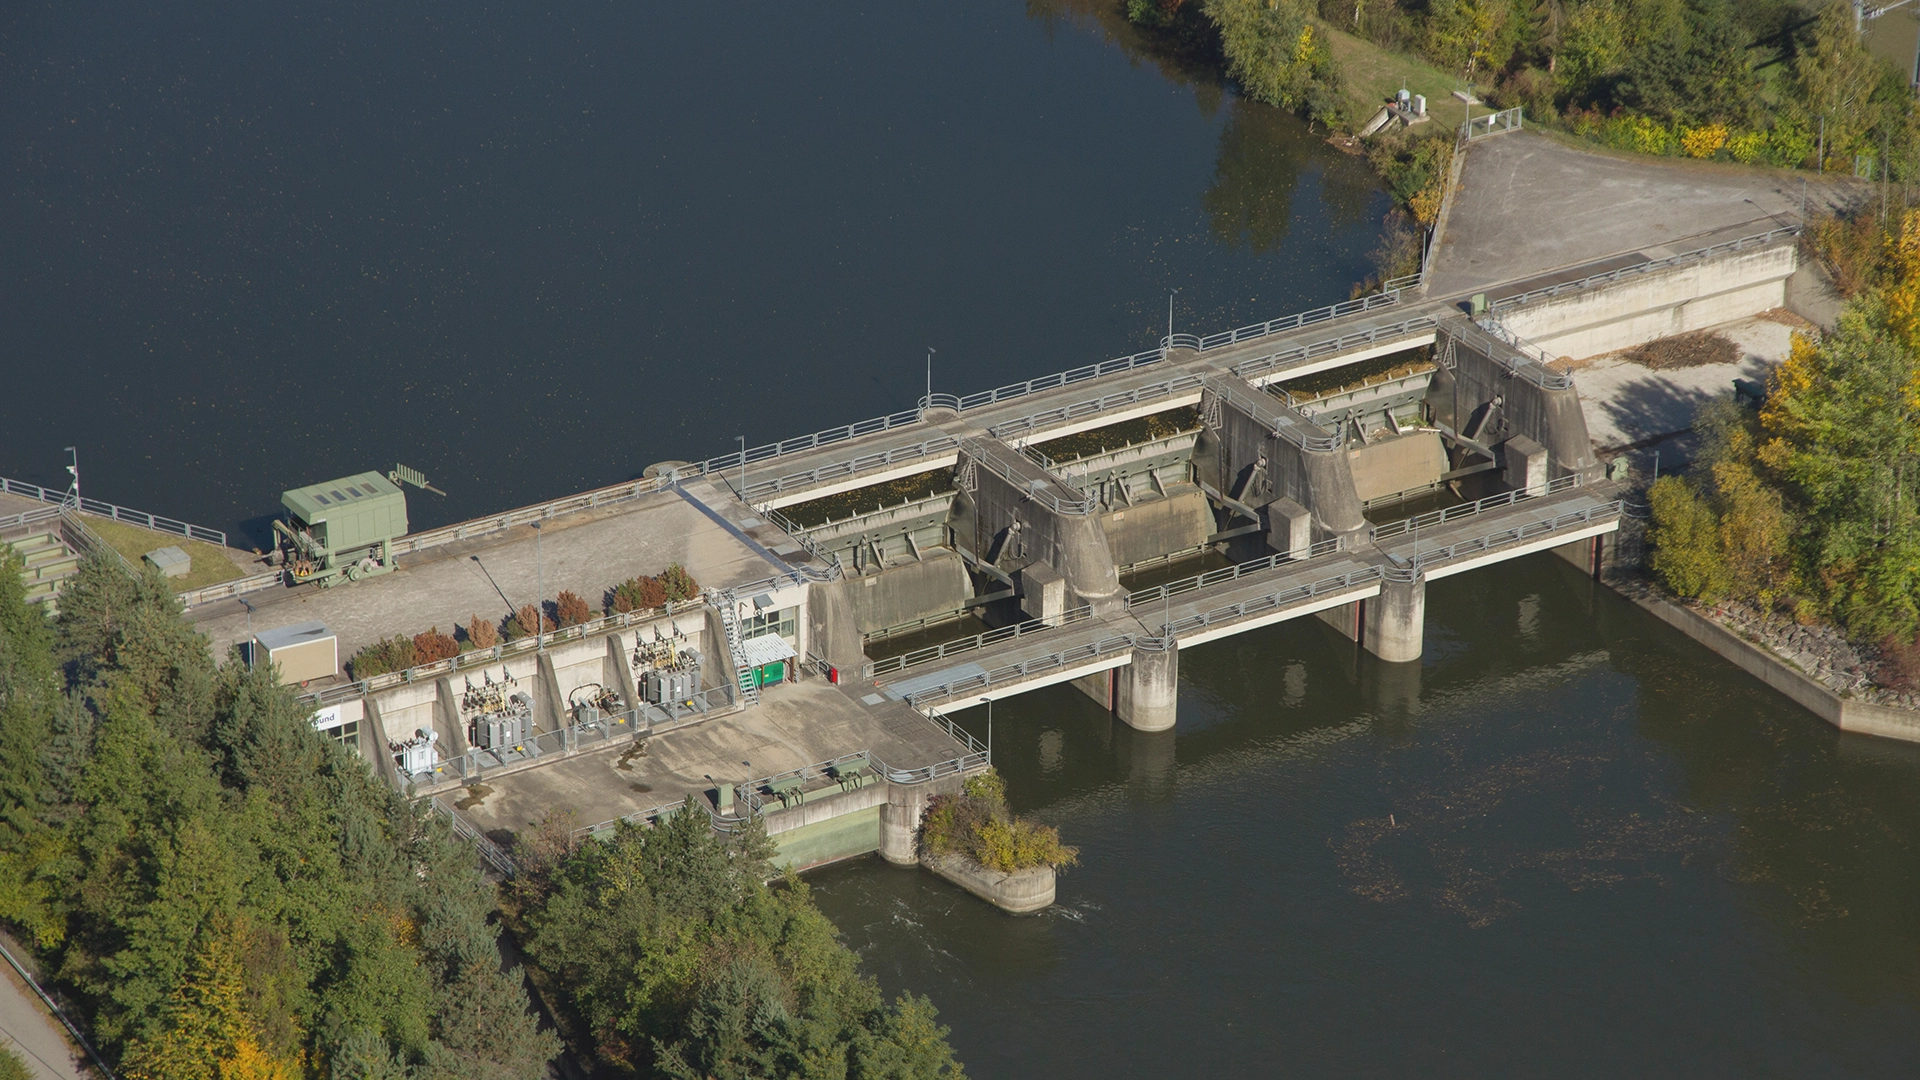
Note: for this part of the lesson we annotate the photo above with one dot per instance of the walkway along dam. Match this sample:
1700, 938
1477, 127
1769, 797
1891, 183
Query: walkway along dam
859, 582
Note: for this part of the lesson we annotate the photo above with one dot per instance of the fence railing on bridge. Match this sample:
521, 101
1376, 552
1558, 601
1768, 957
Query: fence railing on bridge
1161, 593
974, 643
1221, 340
109, 510
1744, 243
1420, 559
1265, 365
1432, 518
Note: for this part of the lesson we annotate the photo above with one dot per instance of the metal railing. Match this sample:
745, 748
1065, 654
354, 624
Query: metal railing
1466, 510
786, 525
1092, 650
493, 853
1263, 365
1491, 124
1228, 613
1505, 353
1235, 572
975, 643
1025, 426
1296, 429
965, 402
28, 518
1048, 491
1387, 298
1285, 324
1411, 565
109, 510
1610, 277
236, 587
77, 536
886, 633
59, 1013
480, 658
853, 466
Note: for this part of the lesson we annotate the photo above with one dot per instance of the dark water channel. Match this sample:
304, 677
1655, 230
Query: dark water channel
1569, 842
246, 247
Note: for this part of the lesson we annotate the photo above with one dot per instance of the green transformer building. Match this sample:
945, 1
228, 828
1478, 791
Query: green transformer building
344, 528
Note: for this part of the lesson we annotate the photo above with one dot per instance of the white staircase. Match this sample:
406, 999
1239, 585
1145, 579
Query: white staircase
743, 674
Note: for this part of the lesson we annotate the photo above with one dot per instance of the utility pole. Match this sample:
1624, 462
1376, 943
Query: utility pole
540, 601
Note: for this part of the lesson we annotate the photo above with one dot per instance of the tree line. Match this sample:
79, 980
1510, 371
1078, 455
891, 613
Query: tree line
1785, 82
1810, 504
224, 893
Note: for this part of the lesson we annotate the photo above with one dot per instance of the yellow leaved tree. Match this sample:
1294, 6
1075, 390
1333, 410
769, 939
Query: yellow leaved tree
208, 1034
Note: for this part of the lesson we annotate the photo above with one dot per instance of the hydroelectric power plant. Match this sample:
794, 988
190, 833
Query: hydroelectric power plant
856, 585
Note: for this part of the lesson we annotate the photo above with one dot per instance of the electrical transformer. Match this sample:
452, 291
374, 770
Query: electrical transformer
509, 729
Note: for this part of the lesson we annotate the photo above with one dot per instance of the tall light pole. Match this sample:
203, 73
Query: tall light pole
742, 440
929, 405
989, 702
74, 471
1171, 293
540, 587
252, 645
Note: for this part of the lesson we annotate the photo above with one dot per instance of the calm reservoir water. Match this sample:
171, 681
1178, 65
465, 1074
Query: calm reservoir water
248, 247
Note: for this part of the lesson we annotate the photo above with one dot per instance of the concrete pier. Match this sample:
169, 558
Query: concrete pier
1393, 623
1147, 691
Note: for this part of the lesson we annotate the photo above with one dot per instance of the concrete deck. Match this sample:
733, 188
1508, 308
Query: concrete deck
1633, 410
1528, 205
797, 724
587, 552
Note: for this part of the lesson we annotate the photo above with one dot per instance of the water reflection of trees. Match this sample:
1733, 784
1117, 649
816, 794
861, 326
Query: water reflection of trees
1262, 152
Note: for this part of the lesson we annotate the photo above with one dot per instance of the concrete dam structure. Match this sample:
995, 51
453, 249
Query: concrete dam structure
859, 581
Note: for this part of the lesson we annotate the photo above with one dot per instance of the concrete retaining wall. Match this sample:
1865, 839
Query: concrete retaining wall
1019, 893
911, 590
1843, 713
1659, 304
839, 826
1403, 463
1155, 527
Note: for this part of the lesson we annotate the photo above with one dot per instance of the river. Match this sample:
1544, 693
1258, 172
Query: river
531, 252
250, 247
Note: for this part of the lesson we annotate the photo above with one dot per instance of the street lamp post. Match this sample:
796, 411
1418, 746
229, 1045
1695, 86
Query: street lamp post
929, 398
540, 587
1171, 293
252, 645
742, 440
989, 702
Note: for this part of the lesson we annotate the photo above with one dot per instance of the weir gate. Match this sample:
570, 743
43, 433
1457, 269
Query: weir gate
1328, 464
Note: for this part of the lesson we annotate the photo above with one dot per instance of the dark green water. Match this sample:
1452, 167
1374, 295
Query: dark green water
1569, 842
248, 246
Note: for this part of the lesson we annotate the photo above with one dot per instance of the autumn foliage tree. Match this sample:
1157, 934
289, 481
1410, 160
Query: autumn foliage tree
571, 609
432, 645
1815, 502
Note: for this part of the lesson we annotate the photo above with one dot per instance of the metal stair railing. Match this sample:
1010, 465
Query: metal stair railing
743, 674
